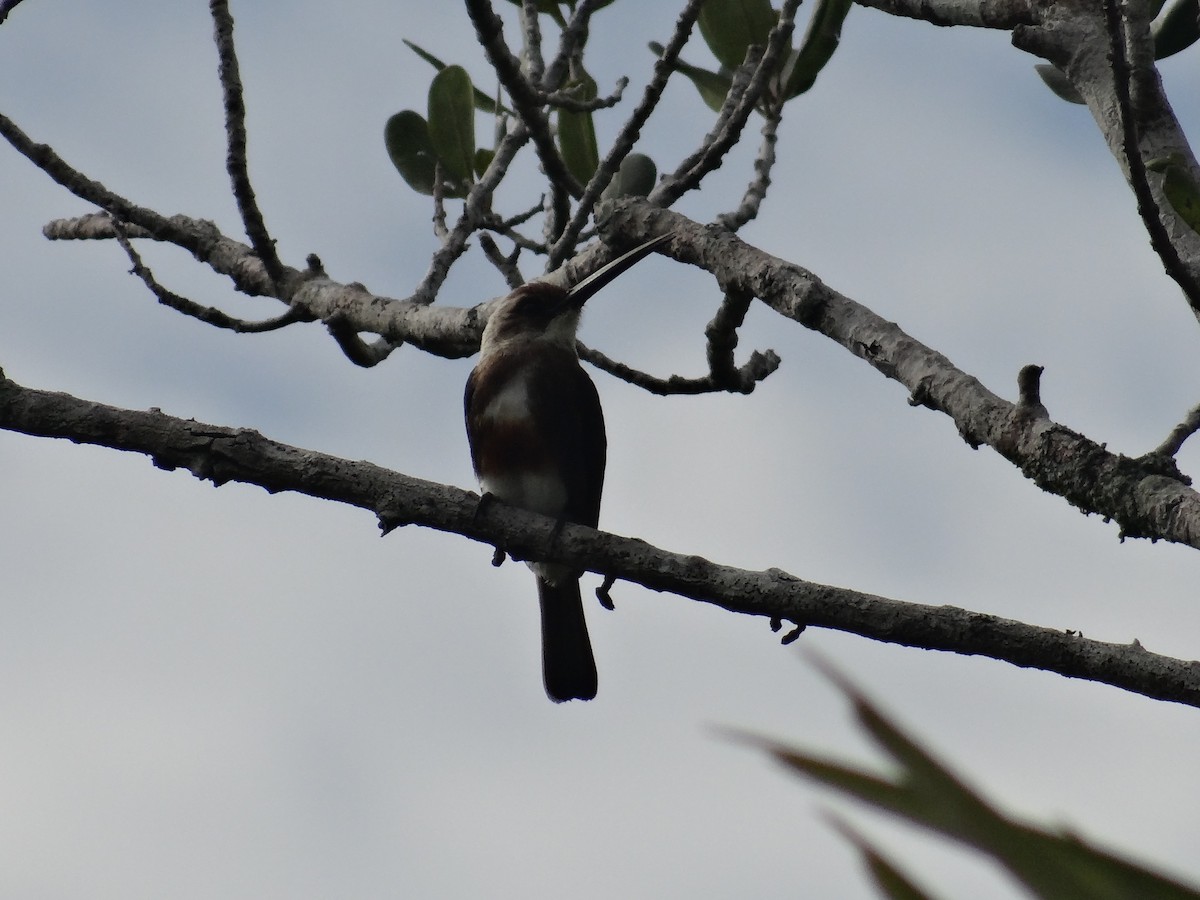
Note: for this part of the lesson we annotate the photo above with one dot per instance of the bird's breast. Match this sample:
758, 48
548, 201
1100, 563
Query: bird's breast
513, 454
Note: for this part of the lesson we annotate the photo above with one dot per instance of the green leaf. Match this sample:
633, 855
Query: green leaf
635, 178
1058, 82
821, 39
1180, 189
452, 122
729, 27
924, 791
577, 132
483, 102
891, 881
1177, 30
483, 159
713, 86
406, 136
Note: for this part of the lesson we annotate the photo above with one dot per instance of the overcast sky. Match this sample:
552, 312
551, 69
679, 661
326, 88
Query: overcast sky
221, 693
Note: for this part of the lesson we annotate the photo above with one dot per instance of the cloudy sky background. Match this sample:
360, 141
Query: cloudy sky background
223, 693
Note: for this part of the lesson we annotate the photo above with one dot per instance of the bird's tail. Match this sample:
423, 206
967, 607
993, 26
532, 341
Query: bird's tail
568, 667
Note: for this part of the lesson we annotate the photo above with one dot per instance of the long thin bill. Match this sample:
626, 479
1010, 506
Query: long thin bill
583, 291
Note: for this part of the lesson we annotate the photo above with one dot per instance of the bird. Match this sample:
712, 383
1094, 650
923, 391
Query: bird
537, 440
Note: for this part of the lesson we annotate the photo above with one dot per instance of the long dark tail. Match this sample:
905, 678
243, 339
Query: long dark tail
568, 667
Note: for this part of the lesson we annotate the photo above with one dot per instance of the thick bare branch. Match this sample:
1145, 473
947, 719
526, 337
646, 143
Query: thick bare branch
1004, 14
222, 455
1130, 42
1126, 99
1147, 497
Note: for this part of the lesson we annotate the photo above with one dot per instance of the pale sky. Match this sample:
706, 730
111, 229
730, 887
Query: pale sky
222, 693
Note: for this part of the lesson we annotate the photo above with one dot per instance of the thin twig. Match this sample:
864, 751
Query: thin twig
566, 100
489, 29
712, 152
629, 134
741, 381
1180, 433
474, 213
44, 157
572, 39
722, 337
235, 132
505, 265
531, 52
756, 191
207, 314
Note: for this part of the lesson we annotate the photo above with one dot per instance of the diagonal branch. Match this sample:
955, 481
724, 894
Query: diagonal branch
629, 134
764, 162
734, 115
6, 7
1003, 14
1147, 496
222, 455
235, 131
207, 314
489, 28
1123, 73
1180, 433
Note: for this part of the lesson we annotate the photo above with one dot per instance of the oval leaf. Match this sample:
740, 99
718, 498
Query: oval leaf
1177, 30
1183, 194
729, 27
452, 122
1058, 82
483, 159
635, 178
483, 102
821, 38
407, 139
577, 133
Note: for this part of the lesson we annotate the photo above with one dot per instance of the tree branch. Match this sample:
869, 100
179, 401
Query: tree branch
235, 135
1147, 496
489, 28
6, 7
1123, 73
207, 314
629, 134
732, 119
222, 455
756, 191
1180, 433
1003, 14
1114, 74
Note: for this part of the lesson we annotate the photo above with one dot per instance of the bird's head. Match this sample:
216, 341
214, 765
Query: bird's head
544, 312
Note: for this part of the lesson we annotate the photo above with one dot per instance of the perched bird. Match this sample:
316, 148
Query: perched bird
537, 441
